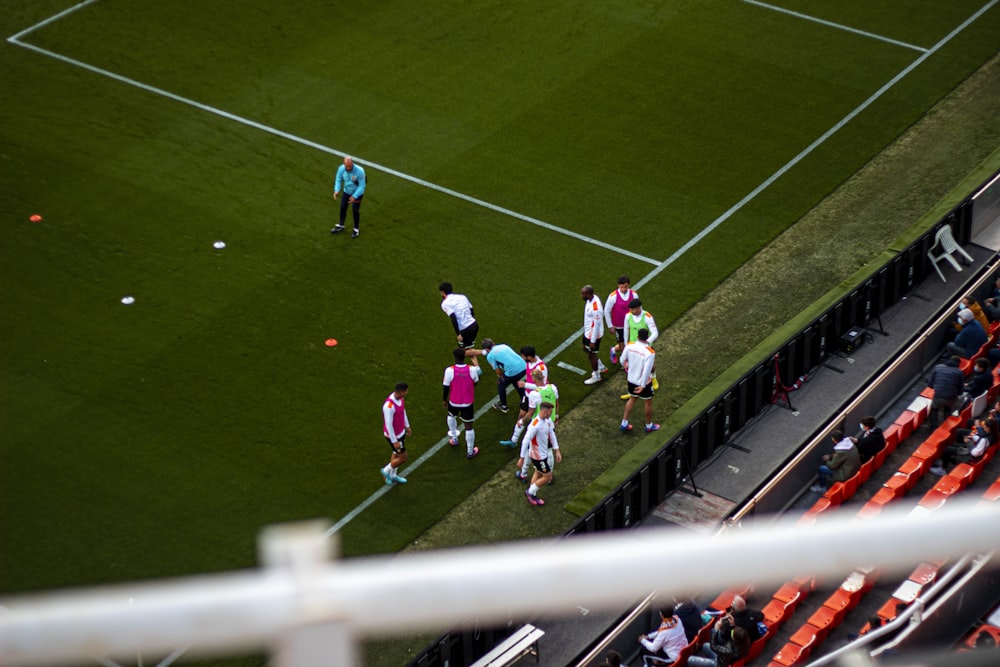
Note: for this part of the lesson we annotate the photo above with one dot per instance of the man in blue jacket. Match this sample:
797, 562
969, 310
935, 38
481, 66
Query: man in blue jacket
972, 336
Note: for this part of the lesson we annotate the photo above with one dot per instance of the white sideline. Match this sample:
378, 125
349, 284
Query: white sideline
659, 267
838, 26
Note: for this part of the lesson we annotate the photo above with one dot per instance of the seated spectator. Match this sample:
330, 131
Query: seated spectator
724, 649
689, 614
838, 467
992, 303
972, 336
970, 303
871, 441
947, 380
742, 616
980, 381
665, 644
970, 446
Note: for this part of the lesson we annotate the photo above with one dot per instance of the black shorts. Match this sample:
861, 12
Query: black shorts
590, 346
399, 447
466, 413
469, 334
620, 334
541, 466
645, 394
524, 402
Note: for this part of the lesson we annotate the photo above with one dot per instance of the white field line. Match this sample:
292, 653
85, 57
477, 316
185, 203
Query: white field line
702, 234
838, 26
350, 516
312, 144
811, 147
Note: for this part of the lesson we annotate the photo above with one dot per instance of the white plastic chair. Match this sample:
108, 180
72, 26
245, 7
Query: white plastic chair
979, 403
949, 246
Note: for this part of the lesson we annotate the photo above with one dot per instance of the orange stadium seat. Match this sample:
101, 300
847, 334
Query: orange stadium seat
792, 654
865, 473
905, 423
891, 436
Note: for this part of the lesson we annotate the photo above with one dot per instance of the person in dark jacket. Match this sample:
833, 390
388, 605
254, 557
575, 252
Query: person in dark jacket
947, 381
980, 381
742, 616
972, 336
871, 440
690, 616
723, 651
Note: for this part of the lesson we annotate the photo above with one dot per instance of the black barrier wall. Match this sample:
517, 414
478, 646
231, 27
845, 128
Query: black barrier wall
745, 399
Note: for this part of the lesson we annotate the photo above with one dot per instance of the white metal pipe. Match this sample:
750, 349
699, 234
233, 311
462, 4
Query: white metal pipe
434, 591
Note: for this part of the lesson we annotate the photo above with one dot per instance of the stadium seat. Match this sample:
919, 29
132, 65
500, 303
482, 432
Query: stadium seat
851, 487
905, 424
891, 435
888, 610
792, 654
902, 481
844, 600
790, 593
880, 456
756, 649
962, 474
924, 573
946, 246
993, 493
824, 620
933, 499
821, 505
921, 406
776, 612
865, 472
836, 494
979, 403
914, 468
933, 445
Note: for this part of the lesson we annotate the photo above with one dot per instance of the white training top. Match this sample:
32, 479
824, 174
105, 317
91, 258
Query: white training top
461, 307
638, 360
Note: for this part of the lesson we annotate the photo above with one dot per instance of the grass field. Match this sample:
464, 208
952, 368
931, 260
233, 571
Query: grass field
157, 439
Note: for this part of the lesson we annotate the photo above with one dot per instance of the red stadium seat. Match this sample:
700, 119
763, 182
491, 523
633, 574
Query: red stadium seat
891, 435
865, 473
791, 655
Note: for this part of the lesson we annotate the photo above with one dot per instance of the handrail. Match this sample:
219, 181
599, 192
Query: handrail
306, 610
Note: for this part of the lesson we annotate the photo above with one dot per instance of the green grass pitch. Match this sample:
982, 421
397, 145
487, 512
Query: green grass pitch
157, 439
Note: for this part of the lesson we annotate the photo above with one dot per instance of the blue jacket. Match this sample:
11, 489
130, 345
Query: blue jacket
947, 380
971, 338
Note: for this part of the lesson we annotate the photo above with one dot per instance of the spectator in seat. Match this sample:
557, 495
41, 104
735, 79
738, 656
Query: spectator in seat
977, 311
972, 336
871, 441
690, 616
839, 466
742, 616
663, 645
969, 447
947, 381
723, 651
980, 380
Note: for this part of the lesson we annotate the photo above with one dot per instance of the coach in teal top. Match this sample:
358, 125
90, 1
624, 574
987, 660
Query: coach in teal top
508, 364
351, 181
